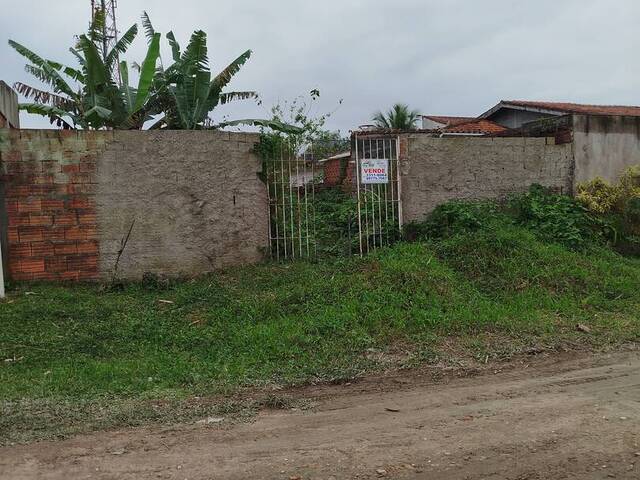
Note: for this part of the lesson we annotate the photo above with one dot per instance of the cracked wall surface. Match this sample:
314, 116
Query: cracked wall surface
193, 197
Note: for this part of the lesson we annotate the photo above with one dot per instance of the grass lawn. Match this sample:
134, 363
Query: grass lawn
83, 357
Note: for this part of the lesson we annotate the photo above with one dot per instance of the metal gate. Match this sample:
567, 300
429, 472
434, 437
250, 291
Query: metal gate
292, 178
379, 190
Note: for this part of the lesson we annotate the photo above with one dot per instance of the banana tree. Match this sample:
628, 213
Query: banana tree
186, 91
90, 97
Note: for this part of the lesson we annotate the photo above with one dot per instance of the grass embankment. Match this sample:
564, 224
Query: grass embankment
80, 358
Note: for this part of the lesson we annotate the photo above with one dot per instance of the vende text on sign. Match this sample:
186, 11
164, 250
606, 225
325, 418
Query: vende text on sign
374, 170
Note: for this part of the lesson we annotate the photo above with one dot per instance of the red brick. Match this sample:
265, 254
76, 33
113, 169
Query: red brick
50, 166
18, 220
52, 205
18, 191
80, 203
20, 276
45, 276
70, 168
20, 250
11, 206
80, 188
30, 206
54, 234
70, 276
90, 232
14, 265
42, 220
12, 235
65, 219
12, 156
89, 246
74, 233
44, 179
89, 276
42, 249
55, 265
83, 263
87, 218
30, 234
32, 265
67, 248
81, 178
41, 190
87, 167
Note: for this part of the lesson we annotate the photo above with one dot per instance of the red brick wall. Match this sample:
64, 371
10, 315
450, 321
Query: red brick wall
332, 172
50, 211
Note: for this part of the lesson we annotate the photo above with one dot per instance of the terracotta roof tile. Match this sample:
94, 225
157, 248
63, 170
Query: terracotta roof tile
566, 107
448, 120
476, 126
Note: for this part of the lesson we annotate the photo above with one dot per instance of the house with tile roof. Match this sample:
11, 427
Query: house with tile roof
515, 114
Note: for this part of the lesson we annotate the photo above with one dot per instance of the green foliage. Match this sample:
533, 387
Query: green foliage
598, 196
336, 223
452, 217
555, 218
617, 206
399, 117
100, 100
187, 90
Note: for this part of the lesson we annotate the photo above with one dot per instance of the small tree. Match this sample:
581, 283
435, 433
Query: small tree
399, 117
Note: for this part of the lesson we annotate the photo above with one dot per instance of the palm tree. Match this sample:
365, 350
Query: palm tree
398, 118
99, 101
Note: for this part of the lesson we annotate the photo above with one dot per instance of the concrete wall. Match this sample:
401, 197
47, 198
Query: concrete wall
71, 196
605, 146
195, 197
435, 170
9, 116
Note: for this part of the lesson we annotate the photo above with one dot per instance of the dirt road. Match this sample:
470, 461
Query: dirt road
557, 418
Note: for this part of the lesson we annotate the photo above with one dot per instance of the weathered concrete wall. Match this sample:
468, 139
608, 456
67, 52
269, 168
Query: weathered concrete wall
435, 170
70, 198
194, 199
605, 146
9, 115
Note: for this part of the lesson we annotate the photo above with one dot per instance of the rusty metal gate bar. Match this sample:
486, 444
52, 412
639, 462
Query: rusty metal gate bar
379, 204
291, 193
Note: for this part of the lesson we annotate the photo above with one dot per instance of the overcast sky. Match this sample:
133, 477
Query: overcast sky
448, 57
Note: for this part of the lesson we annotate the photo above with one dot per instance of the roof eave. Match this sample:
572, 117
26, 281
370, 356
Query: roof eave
512, 106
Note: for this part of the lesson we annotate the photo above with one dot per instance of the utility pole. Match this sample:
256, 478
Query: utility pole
110, 28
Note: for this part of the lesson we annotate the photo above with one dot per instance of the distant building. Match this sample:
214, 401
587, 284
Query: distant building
515, 114
9, 117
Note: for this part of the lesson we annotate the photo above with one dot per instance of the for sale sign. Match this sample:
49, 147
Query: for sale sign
374, 170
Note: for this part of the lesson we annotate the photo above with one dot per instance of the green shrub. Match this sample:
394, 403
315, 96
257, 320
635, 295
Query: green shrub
556, 218
336, 221
616, 206
453, 217
598, 196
